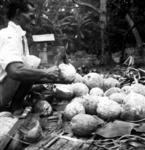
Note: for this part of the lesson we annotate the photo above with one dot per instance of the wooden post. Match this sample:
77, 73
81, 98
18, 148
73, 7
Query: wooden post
103, 22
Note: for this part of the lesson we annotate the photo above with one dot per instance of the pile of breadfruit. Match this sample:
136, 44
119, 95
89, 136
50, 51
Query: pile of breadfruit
95, 99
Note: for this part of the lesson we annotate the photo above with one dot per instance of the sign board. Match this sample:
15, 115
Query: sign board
43, 37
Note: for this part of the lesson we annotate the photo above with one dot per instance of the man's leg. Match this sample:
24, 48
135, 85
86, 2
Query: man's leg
18, 99
8, 88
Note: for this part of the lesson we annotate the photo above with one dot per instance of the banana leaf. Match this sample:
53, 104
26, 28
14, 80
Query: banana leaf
115, 129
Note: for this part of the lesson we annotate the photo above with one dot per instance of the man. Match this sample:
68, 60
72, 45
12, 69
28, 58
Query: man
17, 72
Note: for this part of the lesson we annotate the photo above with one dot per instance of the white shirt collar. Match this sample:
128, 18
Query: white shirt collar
17, 28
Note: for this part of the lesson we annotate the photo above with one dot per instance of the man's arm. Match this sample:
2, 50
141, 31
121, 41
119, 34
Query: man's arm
18, 71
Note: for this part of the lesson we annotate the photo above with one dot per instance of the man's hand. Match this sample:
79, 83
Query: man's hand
53, 73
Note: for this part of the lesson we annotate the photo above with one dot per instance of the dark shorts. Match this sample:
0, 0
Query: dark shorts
8, 88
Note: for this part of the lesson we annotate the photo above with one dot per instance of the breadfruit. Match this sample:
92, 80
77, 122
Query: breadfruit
134, 107
108, 110
67, 72
112, 90
110, 82
80, 89
73, 109
84, 124
93, 80
96, 91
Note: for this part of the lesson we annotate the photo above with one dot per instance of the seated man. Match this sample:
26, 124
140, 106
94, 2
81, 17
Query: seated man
17, 72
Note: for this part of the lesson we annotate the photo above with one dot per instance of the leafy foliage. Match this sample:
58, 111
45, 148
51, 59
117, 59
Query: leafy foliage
119, 33
70, 24
2, 14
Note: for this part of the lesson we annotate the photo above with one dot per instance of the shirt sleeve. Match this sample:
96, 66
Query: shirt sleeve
10, 51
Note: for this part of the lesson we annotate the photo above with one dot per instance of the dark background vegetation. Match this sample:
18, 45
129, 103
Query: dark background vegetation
76, 25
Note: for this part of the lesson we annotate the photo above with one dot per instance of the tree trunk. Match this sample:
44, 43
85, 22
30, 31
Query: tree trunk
134, 30
135, 34
103, 22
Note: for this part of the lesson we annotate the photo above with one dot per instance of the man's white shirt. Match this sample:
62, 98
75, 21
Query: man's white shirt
11, 47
